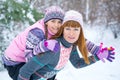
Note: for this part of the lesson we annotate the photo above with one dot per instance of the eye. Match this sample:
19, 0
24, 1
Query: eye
60, 22
76, 29
52, 20
67, 28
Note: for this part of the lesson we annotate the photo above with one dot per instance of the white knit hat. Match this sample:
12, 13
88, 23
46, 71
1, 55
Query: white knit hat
73, 15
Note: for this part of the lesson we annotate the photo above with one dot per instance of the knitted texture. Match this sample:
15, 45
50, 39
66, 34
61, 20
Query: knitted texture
53, 12
73, 15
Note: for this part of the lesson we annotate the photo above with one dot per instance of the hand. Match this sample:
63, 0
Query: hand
52, 45
107, 53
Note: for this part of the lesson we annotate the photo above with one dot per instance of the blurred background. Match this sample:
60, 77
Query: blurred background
16, 15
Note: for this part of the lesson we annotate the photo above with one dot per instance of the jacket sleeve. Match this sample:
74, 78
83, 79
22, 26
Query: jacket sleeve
34, 64
79, 62
36, 44
92, 48
32, 42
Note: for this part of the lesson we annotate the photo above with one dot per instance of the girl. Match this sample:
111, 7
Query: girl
22, 46
60, 49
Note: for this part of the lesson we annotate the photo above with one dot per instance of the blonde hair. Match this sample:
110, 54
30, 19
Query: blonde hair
81, 43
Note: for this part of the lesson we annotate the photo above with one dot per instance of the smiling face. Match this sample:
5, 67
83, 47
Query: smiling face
71, 34
54, 25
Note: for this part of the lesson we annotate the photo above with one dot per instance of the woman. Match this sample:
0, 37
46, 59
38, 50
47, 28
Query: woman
61, 48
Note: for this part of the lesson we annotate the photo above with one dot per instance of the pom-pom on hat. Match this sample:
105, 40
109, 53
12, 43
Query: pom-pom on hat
73, 15
53, 12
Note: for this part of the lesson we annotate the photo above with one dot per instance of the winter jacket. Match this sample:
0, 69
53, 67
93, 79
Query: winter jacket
17, 49
49, 63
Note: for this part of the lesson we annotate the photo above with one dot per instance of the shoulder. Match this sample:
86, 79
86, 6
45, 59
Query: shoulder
39, 24
36, 32
35, 35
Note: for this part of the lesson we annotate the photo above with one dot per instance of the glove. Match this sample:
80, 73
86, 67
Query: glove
52, 45
46, 45
107, 53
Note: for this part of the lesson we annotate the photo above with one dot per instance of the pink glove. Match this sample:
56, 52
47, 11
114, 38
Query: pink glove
52, 45
106, 53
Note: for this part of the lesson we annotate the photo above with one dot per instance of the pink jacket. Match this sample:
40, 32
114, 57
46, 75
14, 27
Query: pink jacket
15, 50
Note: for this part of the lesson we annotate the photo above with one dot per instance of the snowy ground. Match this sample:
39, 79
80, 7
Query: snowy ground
97, 71
4, 75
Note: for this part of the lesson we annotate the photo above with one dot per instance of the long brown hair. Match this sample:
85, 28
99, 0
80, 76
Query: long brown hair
81, 43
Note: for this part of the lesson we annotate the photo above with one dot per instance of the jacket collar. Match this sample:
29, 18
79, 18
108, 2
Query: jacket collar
64, 42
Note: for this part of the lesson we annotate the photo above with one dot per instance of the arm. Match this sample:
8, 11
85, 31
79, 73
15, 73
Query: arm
100, 52
78, 62
32, 42
36, 44
92, 48
34, 64
47, 45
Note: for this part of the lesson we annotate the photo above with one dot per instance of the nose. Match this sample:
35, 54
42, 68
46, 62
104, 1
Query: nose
56, 24
71, 33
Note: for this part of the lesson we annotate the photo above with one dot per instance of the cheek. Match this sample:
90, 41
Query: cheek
66, 38
77, 35
65, 35
59, 26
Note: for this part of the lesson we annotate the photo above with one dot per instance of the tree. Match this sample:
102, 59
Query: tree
13, 18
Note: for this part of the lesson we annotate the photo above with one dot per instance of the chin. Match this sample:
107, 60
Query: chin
71, 42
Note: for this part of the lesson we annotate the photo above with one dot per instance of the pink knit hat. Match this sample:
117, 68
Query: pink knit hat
73, 15
53, 12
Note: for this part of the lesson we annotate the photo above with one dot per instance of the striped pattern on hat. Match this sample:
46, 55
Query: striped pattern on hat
53, 12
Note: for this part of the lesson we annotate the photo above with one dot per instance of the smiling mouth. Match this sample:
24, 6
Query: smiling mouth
55, 28
71, 37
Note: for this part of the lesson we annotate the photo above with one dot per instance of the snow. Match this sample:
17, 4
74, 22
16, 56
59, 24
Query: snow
4, 75
97, 71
